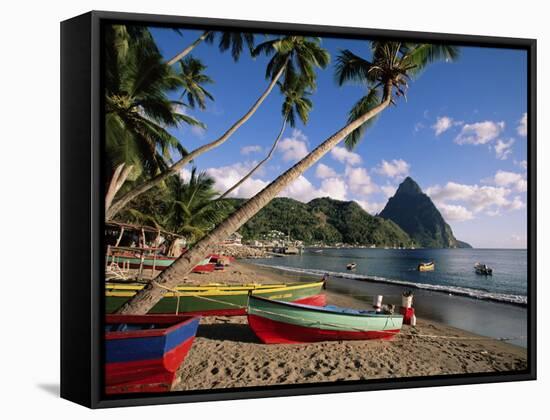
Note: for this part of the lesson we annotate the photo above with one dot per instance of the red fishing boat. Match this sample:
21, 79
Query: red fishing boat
143, 352
205, 266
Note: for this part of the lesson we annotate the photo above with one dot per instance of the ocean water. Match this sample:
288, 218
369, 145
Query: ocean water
454, 273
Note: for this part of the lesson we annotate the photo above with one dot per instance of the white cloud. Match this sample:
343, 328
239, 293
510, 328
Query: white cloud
503, 149
301, 189
371, 207
359, 181
443, 124
522, 127
324, 171
515, 204
454, 213
334, 188
393, 169
474, 198
479, 133
246, 150
294, 147
227, 176
185, 174
522, 164
388, 190
511, 179
341, 154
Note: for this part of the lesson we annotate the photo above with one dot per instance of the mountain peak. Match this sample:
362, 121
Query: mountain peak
415, 213
409, 186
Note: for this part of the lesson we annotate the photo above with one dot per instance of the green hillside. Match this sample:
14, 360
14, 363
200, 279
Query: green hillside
323, 220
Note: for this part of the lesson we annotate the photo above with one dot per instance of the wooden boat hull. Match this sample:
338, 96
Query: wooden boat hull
276, 322
146, 359
217, 299
204, 268
159, 263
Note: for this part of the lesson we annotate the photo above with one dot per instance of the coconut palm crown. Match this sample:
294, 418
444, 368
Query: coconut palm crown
391, 64
193, 79
138, 110
298, 55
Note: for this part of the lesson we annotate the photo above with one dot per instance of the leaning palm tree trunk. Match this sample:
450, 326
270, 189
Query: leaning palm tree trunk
187, 50
145, 299
120, 175
255, 168
145, 186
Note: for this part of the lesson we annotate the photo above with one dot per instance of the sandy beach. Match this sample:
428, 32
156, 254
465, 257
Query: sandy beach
227, 354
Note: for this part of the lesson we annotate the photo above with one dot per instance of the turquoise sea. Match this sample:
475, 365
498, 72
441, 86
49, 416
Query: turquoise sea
454, 271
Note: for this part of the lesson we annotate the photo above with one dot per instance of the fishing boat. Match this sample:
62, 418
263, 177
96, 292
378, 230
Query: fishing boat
426, 266
143, 352
205, 266
156, 262
483, 269
216, 299
276, 322
351, 266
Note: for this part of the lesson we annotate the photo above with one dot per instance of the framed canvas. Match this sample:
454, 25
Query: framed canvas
254, 209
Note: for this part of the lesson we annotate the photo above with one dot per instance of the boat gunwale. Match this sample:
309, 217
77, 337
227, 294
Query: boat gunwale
321, 309
215, 292
153, 332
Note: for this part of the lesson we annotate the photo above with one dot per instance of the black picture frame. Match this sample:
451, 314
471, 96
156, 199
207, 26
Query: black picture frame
82, 212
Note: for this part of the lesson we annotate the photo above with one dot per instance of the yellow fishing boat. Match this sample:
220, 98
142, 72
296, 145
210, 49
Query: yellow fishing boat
426, 266
216, 298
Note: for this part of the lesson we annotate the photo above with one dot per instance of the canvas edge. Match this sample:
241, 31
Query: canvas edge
95, 213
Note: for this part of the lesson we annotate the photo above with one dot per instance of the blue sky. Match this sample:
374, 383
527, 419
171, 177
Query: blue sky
460, 135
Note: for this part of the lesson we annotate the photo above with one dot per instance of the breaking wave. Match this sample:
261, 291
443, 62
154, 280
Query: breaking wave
454, 290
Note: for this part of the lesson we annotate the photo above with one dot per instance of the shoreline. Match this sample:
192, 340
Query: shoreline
458, 291
226, 353
454, 310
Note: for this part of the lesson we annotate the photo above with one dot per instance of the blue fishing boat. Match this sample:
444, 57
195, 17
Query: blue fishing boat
143, 352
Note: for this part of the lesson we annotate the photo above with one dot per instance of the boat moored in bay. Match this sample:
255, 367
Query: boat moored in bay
483, 269
426, 266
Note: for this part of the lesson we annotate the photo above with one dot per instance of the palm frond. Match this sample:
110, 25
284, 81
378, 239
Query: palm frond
351, 68
361, 107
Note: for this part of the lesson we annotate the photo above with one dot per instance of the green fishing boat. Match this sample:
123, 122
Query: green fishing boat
277, 322
217, 299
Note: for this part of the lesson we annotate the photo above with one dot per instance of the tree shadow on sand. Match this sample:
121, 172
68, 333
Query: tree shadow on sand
227, 332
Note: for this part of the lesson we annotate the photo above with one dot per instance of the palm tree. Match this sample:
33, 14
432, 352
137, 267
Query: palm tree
138, 111
193, 80
391, 65
228, 40
192, 209
296, 102
291, 57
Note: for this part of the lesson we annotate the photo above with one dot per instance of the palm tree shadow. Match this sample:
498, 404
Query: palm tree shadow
52, 389
227, 332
